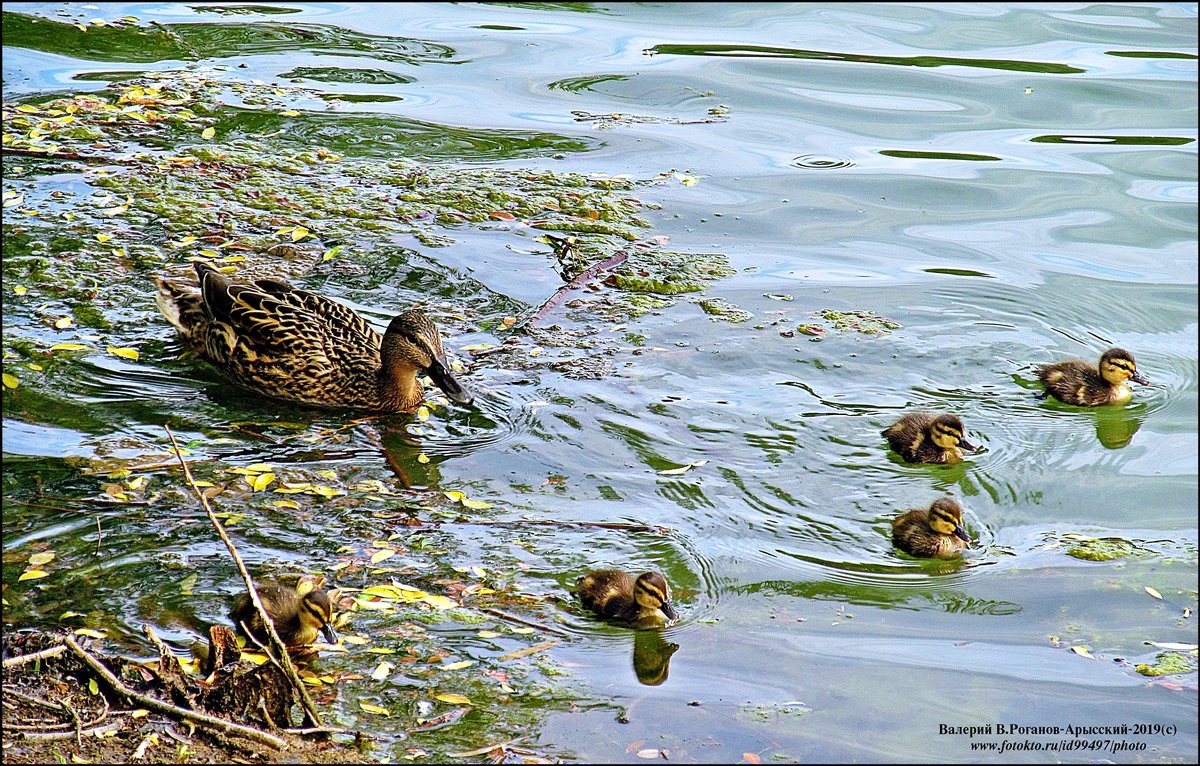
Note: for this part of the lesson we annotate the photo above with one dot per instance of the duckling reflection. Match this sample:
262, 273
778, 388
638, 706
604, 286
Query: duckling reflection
652, 657
1115, 428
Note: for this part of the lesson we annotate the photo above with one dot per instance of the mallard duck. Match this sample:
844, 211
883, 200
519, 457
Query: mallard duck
922, 437
292, 344
616, 594
935, 532
299, 612
1078, 382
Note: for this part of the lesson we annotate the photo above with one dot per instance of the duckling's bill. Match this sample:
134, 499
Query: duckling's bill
961, 534
328, 633
669, 612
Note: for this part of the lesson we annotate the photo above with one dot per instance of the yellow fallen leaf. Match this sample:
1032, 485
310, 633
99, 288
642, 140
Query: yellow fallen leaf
1154, 593
69, 614
439, 602
381, 671
11, 381
290, 113
373, 708
458, 665
208, 133
488, 634
422, 458
382, 555
103, 237
1082, 651
124, 353
453, 699
89, 633
63, 323
286, 504
32, 574
67, 347
260, 482
20, 289
137, 483
300, 233
477, 504
260, 467
455, 495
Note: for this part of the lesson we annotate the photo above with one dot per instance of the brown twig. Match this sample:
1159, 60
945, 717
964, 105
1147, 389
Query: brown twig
151, 703
554, 523
53, 651
512, 618
64, 155
579, 279
311, 716
78, 736
147, 467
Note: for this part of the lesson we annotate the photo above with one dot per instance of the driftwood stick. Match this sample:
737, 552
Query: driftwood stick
60, 735
64, 155
53, 651
554, 523
311, 716
579, 279
527, 623
163, 707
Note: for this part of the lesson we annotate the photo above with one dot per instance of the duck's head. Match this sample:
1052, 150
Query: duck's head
945, 518
1117, 366
412, 340
653, 595
316, 614
947, 432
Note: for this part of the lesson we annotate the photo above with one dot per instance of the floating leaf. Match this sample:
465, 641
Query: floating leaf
1082, 651
41, 558
260, 482
88, 632
208, 133
1154, 593
458, 665
300, 233
63, 323
67, 347
69, 614
286, 504
422, 458
289, 113
136, 484
20, 289
453, 699
683, 469
381, 671
439, 602
382, 555
488, 634
124, 353
373, 708
476, 504
11, 381
32, 574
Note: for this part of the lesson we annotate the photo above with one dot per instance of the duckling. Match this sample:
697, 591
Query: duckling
1075, 381
299, 613
291, 344
935, 532
922, 437
641, 602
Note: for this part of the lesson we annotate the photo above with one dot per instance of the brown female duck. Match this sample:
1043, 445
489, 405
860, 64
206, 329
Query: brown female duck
1075, 381
935, 532
291, 344
644, 601
922, 437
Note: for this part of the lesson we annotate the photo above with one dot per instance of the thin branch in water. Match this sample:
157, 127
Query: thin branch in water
519, 620
578, 281
311, 716
554, 523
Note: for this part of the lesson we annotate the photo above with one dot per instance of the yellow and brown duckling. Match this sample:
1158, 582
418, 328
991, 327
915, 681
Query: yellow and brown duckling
641, 602
291, 344
1075, 381
923, 437
299, 612
935, 532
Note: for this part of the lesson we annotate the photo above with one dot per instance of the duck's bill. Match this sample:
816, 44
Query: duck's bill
669, 611
961, 534
439, 373
1138, 377
966, 446
328, 634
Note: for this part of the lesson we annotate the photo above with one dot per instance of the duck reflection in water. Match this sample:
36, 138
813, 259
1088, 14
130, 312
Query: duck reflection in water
652, 657
1115, 428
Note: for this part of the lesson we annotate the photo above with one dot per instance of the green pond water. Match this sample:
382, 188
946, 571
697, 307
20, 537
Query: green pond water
841, 212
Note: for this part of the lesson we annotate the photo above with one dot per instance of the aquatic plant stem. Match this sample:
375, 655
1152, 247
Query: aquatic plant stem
312, 719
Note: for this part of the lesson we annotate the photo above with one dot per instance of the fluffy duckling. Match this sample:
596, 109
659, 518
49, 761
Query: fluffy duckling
292, 344
935, 532
922, 437
1075, 381
299, 613
616, 594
